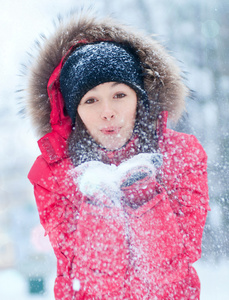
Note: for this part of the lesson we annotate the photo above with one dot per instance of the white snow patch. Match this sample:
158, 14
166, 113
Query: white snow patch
76, 285
214, 279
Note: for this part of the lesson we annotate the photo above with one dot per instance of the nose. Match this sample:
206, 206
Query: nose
107, 112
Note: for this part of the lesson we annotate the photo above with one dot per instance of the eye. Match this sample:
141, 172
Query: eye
90, 101
119, 95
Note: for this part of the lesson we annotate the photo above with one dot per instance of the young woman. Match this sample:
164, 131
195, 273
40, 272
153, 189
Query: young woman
122, 198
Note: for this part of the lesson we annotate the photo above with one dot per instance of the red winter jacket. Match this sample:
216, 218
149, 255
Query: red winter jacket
120, 252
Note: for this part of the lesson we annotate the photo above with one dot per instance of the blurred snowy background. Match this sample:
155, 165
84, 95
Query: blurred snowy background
197, 34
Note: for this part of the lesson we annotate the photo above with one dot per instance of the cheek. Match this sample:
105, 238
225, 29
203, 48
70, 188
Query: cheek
131, 117
86, 118
128, 110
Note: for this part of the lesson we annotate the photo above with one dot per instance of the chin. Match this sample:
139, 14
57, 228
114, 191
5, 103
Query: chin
112, 145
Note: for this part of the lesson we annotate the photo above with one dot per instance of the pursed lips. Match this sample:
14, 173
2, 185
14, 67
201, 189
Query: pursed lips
110, 130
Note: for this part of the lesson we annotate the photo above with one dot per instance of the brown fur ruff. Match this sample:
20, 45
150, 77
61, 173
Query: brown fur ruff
162, 75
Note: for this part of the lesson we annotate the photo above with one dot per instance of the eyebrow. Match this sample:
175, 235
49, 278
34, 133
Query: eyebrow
116, 83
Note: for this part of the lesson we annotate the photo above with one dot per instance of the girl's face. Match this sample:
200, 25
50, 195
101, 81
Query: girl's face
108, 111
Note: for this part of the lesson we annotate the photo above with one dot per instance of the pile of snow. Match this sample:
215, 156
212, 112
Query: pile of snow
96, 178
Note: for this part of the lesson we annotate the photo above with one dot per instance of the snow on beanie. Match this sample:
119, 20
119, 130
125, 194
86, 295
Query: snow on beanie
97, 63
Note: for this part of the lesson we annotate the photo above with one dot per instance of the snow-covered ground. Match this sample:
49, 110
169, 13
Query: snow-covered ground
14, 286
214, 281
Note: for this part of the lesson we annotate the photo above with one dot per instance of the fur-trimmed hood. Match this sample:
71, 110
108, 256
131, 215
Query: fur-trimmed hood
162, 75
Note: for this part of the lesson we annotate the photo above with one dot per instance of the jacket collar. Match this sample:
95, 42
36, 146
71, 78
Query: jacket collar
117, 156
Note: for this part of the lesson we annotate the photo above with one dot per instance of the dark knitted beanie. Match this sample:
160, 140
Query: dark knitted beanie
97, 63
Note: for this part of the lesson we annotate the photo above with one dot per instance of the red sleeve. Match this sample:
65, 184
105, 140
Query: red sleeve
189, 199
166, 232
58, 215
89, 242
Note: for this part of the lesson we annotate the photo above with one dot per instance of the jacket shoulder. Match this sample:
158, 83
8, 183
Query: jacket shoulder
184, 144
41, 173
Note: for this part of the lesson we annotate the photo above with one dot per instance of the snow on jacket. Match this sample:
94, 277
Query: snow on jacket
118, 252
